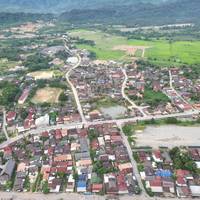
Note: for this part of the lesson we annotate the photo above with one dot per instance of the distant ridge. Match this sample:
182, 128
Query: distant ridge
129, 12
181, 11
58, 6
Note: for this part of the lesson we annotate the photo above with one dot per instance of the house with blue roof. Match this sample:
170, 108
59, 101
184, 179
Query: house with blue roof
81, 186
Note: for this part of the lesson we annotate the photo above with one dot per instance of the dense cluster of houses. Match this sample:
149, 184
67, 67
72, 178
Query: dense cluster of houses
111, 156
158, 80
187, 88
97, 80
155, 79
63, 160
37, 117
162, 179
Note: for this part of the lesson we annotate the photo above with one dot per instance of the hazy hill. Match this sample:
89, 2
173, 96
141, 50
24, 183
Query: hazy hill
58, 6
130, 12
181, 11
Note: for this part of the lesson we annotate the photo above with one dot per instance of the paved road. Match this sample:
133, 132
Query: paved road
126, 97
67, 75
72, 196
81, 124
133, 162
79, 107
172, 87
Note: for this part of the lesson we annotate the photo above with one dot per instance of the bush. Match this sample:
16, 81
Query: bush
128, 129
136, 157
45, 187
63, 97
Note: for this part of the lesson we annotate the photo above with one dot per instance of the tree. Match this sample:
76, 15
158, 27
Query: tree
9, 93
63, 97
93, 134
45, 187
27, 183
128, 129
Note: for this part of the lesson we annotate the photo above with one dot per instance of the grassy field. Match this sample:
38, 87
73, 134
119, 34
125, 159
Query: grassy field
104, 44
138, 53
47, 95
5, 64
106, 103
158, 51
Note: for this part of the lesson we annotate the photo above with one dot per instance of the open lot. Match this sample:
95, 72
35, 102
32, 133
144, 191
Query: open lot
160, 51
47, 94
41, 75
168, 136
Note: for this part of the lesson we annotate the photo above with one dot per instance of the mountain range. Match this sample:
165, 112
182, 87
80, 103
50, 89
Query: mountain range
57, 6
129, 12
139, 13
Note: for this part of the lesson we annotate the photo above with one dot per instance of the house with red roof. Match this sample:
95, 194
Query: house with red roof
155, 185
10, 116
58, 134
23, 96
157, 156
97, 187
121, 183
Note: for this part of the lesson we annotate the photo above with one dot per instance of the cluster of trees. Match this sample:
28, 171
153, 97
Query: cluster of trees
9, 93
11, 54
7, 18
92, 55
154, 98
84, 41
195, 97
63, 97
37, 62
189, 33
192, 74
100, 169
128, 129
56, 42
182, 160
93, 134
63, 55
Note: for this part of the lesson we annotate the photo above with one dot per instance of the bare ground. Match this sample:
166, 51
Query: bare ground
169, 136
47, 94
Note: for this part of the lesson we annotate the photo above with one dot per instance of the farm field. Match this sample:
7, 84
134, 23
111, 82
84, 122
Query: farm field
47, 95
157, 51
104, 44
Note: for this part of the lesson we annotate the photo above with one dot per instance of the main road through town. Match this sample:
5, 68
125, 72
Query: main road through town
67, 76
41, 129
72, 196
133, 105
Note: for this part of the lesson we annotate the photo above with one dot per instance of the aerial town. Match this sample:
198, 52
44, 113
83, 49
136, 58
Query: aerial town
68, 121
